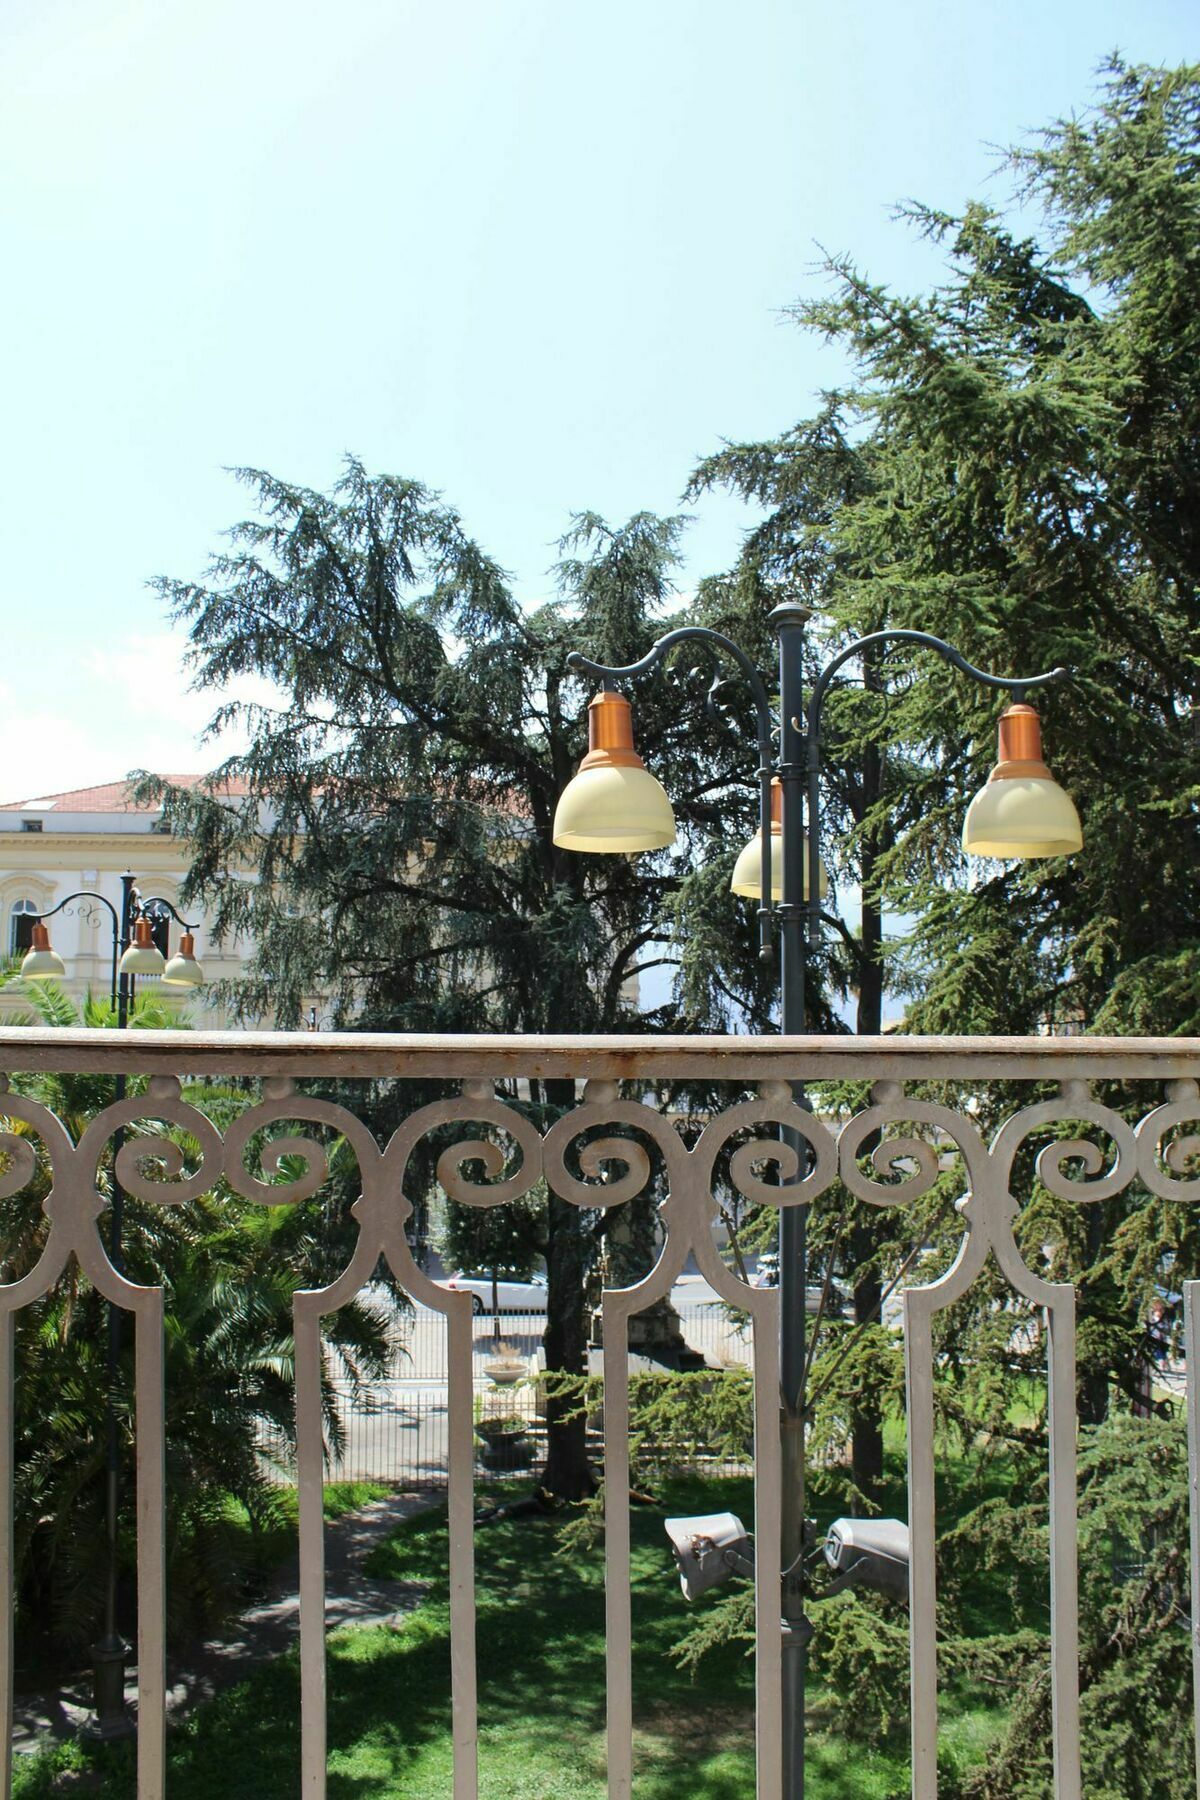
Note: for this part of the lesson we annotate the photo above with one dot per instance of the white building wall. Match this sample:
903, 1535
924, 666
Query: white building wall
72, 851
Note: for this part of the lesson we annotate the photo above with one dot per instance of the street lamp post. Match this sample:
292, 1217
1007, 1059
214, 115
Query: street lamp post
134, 954
615, 805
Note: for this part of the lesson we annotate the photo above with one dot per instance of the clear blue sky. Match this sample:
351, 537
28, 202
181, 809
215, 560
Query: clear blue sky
530, 251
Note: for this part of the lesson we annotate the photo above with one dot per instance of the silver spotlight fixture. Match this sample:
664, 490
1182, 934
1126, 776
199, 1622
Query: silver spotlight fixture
869, 1553
709, 1549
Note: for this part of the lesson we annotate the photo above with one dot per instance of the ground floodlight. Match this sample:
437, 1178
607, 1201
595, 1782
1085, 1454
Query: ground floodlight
871, 1553
709, 1549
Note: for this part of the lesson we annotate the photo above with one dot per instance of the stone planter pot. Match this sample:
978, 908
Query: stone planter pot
505, 1447
504, 1371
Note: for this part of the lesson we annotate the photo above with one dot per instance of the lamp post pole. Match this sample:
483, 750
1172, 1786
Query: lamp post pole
110, 1651
108, 1655
791, 620
798, 768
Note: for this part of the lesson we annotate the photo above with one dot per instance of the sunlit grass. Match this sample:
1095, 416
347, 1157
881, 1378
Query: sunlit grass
540, 1659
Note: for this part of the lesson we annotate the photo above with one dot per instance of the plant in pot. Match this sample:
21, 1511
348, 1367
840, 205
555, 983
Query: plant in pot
505, 1442
504, 1367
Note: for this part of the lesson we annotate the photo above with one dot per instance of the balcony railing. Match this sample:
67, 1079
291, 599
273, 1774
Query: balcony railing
889, 1153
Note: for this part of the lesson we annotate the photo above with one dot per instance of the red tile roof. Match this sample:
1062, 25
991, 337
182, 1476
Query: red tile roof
109, 797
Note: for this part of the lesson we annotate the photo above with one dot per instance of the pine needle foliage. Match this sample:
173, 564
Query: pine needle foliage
400, 786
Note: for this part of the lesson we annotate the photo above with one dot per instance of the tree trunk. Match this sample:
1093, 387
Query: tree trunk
568, 1245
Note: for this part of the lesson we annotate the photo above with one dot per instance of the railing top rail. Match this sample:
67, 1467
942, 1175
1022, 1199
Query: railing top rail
376, 1055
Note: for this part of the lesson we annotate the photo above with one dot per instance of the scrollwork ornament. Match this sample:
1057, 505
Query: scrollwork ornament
279, 1104
891, 1152
774, 1105
20, 1151
72, 1204
1182, 1108
20, 1164
1054, 1159
479, 1105
602, 1106
160, 1103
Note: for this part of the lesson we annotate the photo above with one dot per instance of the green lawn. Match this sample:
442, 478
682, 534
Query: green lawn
541, 1691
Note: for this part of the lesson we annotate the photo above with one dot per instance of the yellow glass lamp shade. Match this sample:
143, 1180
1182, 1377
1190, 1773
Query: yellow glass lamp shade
747, 870
1022, 812
614, 806
183, 970
40, 962
143, 956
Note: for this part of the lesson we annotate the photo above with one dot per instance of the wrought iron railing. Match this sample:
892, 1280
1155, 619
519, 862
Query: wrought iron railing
602, 1152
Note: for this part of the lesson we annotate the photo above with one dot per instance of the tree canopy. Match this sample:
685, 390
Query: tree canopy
399, 798
401, 794
1015, 466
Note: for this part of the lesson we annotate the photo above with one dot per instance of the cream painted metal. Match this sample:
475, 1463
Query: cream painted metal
741, 1144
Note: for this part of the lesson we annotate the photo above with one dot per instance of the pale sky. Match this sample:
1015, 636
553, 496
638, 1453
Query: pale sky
531, 252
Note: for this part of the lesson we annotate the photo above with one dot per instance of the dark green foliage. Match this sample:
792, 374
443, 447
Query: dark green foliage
401, 794
402, 788
1015, 467
1135, 1631
228, 1270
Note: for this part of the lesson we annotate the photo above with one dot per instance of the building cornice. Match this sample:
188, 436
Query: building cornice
99, 850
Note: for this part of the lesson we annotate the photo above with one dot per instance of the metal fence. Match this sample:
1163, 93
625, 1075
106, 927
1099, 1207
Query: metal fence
395, 1431
889, 1153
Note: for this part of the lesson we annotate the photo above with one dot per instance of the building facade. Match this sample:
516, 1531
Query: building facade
84, 840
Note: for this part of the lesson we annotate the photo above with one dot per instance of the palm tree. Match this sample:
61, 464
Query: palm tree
228, 1270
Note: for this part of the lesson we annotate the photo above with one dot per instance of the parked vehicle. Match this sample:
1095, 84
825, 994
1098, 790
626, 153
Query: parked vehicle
511, 1296
767, 1275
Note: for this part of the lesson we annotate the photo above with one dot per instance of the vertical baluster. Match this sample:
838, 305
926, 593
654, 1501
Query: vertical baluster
618, 1649
6, 1549
922, 1577
1191, 1308
768, 1646
310, 1487
461, 1520
150, 1402
1064, 1568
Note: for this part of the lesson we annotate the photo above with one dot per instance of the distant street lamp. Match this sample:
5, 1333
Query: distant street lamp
614, 805
134, 954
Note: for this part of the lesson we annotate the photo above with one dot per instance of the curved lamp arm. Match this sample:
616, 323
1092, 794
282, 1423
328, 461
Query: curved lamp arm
147, 908
82, 895
1016, 685
765, 722
117, 940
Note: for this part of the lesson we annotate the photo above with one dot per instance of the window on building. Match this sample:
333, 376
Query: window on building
23, 917
31, 824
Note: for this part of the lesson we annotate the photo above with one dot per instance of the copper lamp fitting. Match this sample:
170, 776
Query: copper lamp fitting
40, 937
610, 734
143, 935
187, 944
1020, 752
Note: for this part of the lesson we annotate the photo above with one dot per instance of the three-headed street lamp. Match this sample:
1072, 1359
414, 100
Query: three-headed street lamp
135, 955
614, 805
